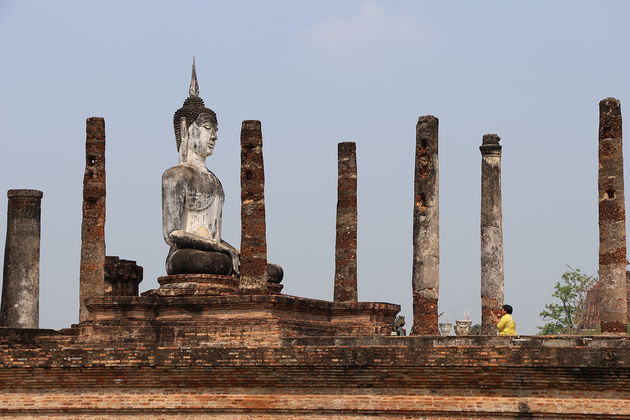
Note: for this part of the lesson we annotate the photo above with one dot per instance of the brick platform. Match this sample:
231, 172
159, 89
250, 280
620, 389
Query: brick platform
231, 320
177, 352
48, 373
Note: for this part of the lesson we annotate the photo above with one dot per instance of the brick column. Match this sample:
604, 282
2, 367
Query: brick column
92, 275
612, 221
426, 229
20, 288
346, 238
122, 277
491, 233
253, 227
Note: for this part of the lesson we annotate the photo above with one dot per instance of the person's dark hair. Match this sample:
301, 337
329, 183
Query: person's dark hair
508, 309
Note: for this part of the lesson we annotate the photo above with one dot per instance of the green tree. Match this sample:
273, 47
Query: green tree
564, 317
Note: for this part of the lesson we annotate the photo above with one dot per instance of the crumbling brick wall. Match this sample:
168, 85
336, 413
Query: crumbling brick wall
45, 372
122, 276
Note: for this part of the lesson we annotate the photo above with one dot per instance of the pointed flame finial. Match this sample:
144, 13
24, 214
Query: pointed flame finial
194, 86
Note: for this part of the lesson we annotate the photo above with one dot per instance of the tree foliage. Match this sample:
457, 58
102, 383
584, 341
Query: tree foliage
564, 317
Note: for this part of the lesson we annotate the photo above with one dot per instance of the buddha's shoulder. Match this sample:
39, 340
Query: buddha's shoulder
187, 173
182, 172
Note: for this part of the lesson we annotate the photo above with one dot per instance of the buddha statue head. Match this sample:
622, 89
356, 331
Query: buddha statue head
193, 114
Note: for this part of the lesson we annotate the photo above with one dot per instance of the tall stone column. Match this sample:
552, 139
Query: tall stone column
491, 233
253, 227
346, 237
20, 288
426, 229
92, 274
613, 308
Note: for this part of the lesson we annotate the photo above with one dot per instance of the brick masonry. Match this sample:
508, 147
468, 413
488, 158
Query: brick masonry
231, 320
122, 277
92, 269
426, 229
45, 372
346, 227
613, 305
253, 224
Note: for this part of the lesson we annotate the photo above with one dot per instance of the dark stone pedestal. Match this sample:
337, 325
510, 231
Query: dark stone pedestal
201, 285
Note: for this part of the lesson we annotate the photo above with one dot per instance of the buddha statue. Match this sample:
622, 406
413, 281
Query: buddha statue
193, 197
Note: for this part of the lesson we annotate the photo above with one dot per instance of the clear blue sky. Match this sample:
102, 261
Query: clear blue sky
318, 73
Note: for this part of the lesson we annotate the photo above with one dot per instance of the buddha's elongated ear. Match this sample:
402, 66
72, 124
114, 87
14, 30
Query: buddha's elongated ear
183, 144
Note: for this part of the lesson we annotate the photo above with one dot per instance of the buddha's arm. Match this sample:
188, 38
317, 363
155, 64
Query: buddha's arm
183, 239
173, 196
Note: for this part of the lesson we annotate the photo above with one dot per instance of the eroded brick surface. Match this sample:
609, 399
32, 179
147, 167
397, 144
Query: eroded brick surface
346, 229
253, 225
122, 276
613, 306
48, 372
425, 315
92, 269
426, 228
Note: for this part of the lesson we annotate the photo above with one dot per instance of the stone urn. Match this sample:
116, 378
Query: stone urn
445, 328
462, 327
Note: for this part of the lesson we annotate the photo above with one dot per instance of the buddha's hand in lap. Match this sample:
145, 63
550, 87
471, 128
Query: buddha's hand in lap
184, 240
236, 257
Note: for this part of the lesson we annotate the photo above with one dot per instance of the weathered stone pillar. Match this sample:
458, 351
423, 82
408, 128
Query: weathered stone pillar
346, 238
426, 229
253, 227
491, 233
92, 275
612, 221
20, 288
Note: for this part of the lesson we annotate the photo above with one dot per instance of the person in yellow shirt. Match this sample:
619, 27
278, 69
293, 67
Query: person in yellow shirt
505, 323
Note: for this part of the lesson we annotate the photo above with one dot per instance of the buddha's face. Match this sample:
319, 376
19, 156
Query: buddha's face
203, 136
